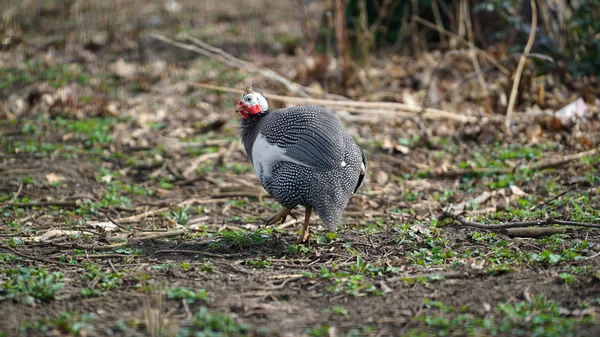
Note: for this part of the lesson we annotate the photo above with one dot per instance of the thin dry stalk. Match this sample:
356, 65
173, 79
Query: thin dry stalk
517, 80
157, 323
209, 51
473, 54
561, 161
438, 21
485, 55
340, 36
303, 19
517, 224
381, 109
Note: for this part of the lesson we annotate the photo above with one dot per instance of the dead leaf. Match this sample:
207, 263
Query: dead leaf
53, 178
517, 191
382, 177
478, 264
105, 226
56, 233
569, 113
123, 69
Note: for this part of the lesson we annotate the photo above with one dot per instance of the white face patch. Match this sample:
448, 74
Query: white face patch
255, 98
343, 164
265, 155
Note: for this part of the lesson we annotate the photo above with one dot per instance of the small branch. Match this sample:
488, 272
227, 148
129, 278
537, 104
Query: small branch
566, 159
193, 165
138, 217
382, 109
43, 204
12, 200
107, 256
35, 258
193, 252
446, 32
534, 232
518, 224
122, 244
446, 275
209, 51
469, 171
520, 66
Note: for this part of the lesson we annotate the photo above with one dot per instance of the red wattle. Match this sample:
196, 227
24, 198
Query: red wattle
252, 110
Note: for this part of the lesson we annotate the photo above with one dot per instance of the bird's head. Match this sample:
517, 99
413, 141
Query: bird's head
252, 103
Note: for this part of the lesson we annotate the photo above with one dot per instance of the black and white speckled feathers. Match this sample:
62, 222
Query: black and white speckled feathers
304, 156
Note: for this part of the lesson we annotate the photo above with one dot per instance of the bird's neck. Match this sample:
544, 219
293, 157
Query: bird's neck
250, 128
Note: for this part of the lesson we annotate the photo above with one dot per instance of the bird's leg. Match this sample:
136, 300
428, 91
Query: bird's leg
280, 216
305, 231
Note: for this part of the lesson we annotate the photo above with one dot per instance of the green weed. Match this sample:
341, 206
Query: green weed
29, 285
205, 323
190, 296
67, 323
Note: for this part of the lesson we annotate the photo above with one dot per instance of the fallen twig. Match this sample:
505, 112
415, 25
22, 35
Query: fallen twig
14, 197
44, 203
207, 50
138, 217
157, 235
470, 44
382, 109
35, 258
566, 159
194, 252
518, 224
534, 232
187, 173
446, 275
18, 171
520, 66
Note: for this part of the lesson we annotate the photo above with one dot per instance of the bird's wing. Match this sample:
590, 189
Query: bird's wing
311, 135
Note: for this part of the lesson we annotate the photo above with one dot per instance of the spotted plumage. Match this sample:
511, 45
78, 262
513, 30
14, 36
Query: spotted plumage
302, 156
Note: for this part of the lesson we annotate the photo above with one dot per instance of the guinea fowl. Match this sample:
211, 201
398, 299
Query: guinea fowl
302, 156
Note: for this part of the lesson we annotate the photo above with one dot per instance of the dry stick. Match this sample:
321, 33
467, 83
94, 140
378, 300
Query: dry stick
447, 275
44, 203
534, 232
204, 49
300, 6
239, 63
104, 256
187, 173
121, 244
479, 50
193, 252
544, 204
35, 258
515, 87
518, 224
138, 217
437, 16
18, 171
387, 109
12, 200
537, 166
566, 159
472, 51
466, 79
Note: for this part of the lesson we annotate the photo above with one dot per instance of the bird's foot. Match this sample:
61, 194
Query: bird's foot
304, 237
305, 231
280, 216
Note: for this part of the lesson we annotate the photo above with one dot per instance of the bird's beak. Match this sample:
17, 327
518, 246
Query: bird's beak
239, 106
